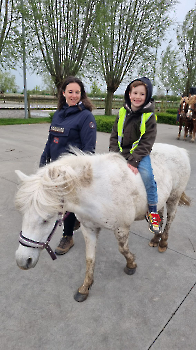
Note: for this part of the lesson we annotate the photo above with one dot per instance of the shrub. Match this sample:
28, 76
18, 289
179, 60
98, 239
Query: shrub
105, 123
166, 118
172, 111
51, 116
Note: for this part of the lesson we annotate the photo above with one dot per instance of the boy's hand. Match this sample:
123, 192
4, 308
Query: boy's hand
134, 170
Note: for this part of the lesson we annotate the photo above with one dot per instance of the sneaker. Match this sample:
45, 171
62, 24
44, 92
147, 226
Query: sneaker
64, 245
154, 222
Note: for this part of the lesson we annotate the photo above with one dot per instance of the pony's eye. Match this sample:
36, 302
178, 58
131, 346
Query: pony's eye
45, 221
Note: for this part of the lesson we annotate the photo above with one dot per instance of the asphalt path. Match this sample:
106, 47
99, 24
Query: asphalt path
40, 113
153, 309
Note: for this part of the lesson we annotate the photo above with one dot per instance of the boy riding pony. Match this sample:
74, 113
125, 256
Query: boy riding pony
133, 135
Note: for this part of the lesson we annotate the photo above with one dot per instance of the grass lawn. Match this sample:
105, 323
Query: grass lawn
15, 121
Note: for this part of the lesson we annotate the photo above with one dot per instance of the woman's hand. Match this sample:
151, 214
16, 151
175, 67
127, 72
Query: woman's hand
134, 169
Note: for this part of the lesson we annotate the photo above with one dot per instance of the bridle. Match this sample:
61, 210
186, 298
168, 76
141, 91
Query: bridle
27, 242
191, 111
182, 109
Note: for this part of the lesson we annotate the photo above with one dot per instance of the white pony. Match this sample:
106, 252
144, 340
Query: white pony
103, 193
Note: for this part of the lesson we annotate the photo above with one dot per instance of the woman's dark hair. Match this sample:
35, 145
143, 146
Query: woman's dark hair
85, 100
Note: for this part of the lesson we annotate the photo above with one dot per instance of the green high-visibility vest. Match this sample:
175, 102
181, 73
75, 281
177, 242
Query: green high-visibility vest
121, 120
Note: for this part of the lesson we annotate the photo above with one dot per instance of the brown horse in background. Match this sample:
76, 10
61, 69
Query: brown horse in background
191, 115
183, 119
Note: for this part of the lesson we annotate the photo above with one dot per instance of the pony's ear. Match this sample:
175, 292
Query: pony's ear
21, 175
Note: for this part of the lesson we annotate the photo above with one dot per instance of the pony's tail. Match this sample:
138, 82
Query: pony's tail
184, 199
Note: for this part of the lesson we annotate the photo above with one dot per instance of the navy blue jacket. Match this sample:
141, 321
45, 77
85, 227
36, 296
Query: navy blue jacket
70, 127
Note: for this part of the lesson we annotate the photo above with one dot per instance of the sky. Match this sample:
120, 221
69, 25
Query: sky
179, 13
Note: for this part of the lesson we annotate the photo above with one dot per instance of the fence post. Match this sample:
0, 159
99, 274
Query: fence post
28, 101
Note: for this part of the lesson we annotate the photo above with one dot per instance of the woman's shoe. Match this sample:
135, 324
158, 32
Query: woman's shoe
65, 244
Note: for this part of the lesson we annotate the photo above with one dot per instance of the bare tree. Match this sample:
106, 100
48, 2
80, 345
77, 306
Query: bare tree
127, 34
9, 33
7, 82
170, 70
63, 30
186, 37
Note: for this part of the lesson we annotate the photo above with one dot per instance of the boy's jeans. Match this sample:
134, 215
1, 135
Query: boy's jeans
145, 170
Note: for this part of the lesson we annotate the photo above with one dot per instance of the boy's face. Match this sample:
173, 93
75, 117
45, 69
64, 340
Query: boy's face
137, 97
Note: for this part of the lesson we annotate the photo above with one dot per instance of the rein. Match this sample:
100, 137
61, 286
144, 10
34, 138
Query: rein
27, 242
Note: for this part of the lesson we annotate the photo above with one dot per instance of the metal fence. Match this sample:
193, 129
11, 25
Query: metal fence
50, 102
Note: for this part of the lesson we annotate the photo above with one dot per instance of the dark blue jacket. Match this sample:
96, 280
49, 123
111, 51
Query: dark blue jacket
70, 127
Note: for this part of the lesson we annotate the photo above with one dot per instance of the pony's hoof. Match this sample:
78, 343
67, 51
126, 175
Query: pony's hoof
162, 249
80, 297
153, 244
129, 271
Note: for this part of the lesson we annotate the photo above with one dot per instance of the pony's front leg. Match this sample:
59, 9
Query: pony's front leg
186, 127
193, 132
121, 235
90, 237
171, 212
180, 128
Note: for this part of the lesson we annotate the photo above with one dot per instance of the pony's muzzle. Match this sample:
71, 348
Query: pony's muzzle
26, 261
27, 266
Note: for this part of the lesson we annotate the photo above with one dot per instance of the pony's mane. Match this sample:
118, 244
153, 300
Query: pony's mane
58, 182
46, 190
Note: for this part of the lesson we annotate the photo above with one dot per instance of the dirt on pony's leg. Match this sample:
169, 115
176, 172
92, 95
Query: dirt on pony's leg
90, 237
171, 212
121, 235
155, 240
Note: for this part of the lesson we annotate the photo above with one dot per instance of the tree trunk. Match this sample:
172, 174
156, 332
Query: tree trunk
188, 85
108, 102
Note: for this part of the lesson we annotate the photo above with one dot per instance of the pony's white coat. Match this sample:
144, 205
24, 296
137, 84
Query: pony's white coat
103, 193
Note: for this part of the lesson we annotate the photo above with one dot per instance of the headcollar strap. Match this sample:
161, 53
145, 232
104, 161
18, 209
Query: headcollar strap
27, 242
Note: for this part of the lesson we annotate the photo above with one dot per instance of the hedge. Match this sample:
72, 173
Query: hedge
166, 118
172, 111
105, 123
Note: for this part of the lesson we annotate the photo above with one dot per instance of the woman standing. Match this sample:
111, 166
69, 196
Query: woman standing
72, 125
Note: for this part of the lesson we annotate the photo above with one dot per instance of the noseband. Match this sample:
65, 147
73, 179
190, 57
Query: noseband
27, 242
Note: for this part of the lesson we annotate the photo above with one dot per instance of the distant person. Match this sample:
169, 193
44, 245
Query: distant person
192, 91
133, 135
72, 125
